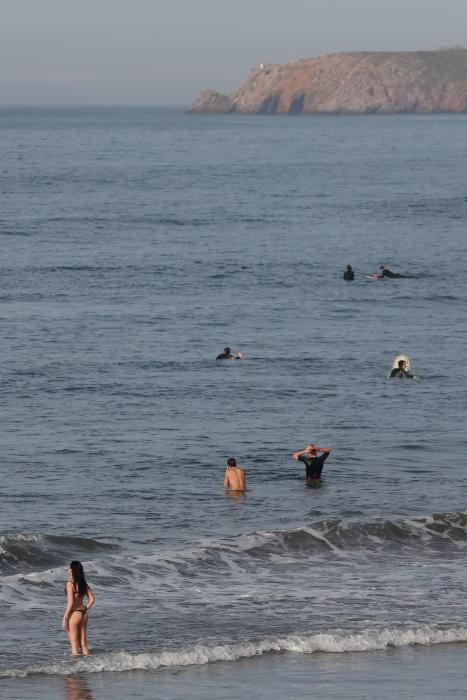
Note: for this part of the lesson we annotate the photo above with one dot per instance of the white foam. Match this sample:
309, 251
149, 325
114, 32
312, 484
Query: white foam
337, 641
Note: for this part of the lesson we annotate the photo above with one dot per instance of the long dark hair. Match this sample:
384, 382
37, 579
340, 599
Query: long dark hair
79, 582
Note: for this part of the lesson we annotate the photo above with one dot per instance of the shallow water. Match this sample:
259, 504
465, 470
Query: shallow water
136, 244
411, 674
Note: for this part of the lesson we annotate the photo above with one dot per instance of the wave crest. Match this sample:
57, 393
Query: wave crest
337, 641
436, 533
26, 550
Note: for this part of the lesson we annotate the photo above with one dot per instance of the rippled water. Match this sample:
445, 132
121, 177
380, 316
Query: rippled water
136, 244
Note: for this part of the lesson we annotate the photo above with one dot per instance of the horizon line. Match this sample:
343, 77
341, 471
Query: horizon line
94, 105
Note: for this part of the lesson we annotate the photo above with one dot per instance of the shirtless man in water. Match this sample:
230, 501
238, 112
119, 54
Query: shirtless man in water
234, 477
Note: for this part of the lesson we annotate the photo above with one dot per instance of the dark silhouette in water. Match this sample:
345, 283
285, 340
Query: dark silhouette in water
384, 272
400, 371
227, 355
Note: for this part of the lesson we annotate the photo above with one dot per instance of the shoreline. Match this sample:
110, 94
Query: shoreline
417, 672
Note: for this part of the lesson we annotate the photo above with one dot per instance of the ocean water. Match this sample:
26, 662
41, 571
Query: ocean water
136, 244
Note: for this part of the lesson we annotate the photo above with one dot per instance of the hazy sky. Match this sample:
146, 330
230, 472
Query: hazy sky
166, 51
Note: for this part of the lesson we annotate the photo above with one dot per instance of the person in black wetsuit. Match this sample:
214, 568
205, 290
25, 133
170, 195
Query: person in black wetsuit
349, 274
400, 371
226, 355
384, 272
313, 458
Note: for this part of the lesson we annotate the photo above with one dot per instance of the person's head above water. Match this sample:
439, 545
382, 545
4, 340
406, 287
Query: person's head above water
349, 267
402, 364
381, 267
231, 462
227, 351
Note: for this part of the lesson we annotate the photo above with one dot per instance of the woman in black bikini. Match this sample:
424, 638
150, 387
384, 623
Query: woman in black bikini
75, 619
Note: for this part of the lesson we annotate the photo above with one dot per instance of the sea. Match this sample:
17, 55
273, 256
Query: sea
136, 243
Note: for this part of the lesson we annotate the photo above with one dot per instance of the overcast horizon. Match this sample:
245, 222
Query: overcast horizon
164, 52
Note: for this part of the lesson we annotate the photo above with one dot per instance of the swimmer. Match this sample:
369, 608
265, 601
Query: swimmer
75, 618
401, 371
227, 355
234, 477
313, 460
384, 272
349, 274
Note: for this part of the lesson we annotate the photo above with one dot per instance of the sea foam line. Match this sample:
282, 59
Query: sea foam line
337, 641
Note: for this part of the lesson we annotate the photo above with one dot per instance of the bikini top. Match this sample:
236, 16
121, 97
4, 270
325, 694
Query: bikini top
76, 593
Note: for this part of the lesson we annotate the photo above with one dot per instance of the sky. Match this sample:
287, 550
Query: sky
167, 51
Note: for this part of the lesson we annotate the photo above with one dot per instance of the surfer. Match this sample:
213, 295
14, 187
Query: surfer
384, 272
227, 355
401, 371
313, 458
75, 618
349, 274
234, 477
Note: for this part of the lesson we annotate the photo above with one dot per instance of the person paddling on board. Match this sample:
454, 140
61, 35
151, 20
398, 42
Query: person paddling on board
234, 477
349, 274
384, 272
227, 355
313, 458
401, 371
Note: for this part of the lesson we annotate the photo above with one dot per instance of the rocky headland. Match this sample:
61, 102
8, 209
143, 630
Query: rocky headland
352, 83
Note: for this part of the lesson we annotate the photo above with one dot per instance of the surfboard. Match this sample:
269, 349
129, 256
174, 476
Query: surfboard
374, 277
396, 360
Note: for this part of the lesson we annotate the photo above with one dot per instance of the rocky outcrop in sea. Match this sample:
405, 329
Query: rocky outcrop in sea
353, 83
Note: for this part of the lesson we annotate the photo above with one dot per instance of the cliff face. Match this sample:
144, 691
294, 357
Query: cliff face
361, 83
212, 101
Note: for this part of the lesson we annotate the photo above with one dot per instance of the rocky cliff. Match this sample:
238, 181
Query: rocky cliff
361, 83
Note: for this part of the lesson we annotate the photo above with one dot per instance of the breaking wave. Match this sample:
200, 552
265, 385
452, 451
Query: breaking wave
436, 533
446, 532
334, 641
32, 550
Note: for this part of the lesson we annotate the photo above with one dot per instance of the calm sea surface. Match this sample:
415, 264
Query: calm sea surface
135, 245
